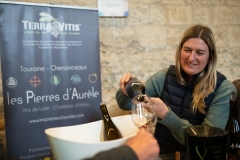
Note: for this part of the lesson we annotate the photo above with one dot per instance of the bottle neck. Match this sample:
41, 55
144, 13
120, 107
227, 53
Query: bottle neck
105, 113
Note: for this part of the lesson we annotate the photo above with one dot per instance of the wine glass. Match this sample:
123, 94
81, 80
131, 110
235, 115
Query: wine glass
143, 114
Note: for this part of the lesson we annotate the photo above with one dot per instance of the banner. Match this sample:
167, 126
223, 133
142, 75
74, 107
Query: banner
50, 73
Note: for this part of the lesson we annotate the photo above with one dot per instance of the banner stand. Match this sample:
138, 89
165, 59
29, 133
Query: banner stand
50, 72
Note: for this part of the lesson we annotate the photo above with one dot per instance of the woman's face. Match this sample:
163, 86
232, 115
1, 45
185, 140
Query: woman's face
194, 56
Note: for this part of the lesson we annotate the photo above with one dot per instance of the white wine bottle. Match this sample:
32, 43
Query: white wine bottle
110, 129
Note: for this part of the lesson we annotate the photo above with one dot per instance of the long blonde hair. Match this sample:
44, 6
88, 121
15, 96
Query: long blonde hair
206, 81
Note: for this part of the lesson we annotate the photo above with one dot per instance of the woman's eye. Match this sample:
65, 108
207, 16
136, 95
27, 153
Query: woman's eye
199, 53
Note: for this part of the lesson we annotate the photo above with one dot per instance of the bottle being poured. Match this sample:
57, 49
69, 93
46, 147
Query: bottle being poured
110, 129
143, 114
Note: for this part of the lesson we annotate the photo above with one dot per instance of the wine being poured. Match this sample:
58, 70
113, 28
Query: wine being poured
143, 114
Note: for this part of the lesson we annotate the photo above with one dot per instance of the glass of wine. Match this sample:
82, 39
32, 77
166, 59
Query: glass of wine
143, 114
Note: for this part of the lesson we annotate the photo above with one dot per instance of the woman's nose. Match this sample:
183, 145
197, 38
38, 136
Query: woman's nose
192, 56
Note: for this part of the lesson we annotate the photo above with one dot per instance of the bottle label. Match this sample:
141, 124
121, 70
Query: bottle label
237, 146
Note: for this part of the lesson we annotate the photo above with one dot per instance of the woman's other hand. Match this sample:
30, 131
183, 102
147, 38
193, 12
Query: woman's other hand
160, 107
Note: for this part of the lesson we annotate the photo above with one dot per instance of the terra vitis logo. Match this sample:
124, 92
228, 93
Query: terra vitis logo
54, 29
47, 23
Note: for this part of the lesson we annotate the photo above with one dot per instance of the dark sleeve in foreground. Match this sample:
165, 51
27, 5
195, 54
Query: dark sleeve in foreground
120, 153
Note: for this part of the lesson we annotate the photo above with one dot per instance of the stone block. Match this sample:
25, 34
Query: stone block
234, 32
202, 15
151, 36
138, 14
233, 2
221, 35
179, 15
226, 15
158, 14
174, 2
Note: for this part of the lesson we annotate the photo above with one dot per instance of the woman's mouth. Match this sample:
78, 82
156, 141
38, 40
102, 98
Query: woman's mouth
190, 64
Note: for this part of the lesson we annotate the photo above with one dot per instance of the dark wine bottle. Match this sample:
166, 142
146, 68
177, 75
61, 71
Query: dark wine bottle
110, 129
233, 128
134, 87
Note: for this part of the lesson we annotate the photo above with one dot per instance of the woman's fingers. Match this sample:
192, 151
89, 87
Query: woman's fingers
123, 81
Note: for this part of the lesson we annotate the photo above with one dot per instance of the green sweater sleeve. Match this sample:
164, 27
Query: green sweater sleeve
154, 84
123, 101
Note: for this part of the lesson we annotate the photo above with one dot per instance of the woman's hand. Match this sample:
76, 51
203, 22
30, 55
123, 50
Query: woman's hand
160, 107
123, 81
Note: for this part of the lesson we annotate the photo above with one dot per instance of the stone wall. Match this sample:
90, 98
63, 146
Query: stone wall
146, 41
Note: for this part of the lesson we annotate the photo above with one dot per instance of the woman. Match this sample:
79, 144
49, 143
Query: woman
190, 93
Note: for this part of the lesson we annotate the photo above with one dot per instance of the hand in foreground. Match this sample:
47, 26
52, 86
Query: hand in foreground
144, 145
160, 107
